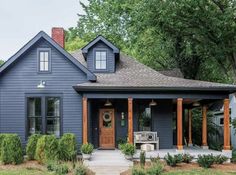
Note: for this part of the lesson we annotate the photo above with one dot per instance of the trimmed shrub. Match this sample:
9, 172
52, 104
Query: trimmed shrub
206, 161
31, 146
128, 149
187, 158
173, 160
142, 158
47, 149
80, 169
2, 136
67, 147
86, 148
11, 149
220, 159
233, 159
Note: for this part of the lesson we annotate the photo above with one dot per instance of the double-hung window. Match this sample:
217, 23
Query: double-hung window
100, 60
44, 115
44, 60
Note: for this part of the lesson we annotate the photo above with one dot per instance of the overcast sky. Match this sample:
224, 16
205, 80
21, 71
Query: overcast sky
20, 20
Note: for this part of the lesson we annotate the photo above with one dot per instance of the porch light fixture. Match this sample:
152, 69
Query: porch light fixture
108, 103
196, 104
152, 103
41, 85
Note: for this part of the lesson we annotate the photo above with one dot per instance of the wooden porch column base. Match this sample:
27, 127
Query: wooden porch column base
226, 125
204, 127
130, 121
180, 124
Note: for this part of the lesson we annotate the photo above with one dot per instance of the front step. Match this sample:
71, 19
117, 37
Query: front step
110, 162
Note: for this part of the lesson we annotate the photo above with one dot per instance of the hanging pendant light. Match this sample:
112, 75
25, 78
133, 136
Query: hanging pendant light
195, 104
152, 103
108, 103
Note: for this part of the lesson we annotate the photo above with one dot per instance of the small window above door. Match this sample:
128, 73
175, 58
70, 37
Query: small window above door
100, 60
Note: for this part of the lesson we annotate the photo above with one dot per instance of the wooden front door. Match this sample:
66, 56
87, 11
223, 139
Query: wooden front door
106, 129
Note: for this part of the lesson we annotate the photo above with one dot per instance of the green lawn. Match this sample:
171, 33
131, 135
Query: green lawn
199, 172
25, 171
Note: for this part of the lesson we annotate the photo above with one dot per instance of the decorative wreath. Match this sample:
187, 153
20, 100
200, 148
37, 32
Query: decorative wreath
106, 117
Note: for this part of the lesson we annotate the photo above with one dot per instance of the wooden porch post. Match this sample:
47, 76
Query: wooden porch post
190, 143
85, 120
204, 127
179, 124
130, 120
226, 125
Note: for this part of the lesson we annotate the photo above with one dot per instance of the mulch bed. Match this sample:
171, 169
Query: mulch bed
229, 167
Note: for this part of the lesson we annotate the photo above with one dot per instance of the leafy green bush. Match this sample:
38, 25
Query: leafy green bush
128, 149
11, 149
154, 169
2, 136
187, 158
136, 170
61, 169
173, 160
220, 159
233, 159
80, 169
206, 161
142, 158
47, 149
31, 146
51, 165
86, 148
67, 147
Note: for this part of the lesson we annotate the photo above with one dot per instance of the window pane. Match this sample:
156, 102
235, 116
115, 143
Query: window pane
53, 126
46, 56
98, 65
34, 115
97, 56
34, 107
35, 125
103, 55
53, 116
41, 56
41, 66
46, 66
103, 64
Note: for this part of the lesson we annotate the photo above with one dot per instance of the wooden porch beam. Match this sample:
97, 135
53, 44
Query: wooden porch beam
179, 123
190, 142
85, 120
130, 120
204, 127
226, 125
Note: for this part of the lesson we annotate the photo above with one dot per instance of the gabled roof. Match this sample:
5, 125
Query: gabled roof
97, 39
132, 75
40, 35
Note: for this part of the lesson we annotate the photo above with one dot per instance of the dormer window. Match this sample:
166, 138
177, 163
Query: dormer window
101, 60
44, 60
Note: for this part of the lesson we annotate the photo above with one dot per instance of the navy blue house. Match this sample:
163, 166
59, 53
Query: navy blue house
99, 94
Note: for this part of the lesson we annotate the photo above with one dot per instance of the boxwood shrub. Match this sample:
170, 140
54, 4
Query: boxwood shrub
2, 136
206, 161
46, 149
31, 146
11, 149
67, 147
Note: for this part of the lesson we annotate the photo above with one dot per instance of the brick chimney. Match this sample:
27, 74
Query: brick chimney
58, 35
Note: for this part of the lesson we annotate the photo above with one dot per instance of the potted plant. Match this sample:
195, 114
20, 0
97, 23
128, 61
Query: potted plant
86, 150
128, 150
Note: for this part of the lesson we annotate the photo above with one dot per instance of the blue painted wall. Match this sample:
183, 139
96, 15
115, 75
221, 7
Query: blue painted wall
23, 78
110, 57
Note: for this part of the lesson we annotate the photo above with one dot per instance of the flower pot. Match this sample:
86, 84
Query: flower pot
86, 156
129, 157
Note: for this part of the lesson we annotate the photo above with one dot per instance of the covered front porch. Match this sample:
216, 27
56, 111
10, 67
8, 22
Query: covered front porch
166, 118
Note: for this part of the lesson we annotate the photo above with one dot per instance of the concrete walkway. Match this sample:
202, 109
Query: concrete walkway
108, 162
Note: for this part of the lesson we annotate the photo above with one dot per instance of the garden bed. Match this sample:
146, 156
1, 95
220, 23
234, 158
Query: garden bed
192, 169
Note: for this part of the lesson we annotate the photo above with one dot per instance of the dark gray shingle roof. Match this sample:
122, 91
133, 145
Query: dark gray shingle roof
132, 74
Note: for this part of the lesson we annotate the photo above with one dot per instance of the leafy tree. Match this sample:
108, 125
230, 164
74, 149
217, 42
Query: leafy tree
1, 62
195, 36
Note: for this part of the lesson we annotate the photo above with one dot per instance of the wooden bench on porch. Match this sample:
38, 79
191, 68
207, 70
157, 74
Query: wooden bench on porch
146, 137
